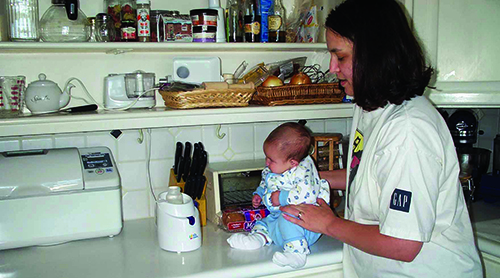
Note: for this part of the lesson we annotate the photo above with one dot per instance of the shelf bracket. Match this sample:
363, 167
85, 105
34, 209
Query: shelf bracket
119, 51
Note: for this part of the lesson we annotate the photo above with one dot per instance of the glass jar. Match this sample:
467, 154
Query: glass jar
93, 29
129, 21
105, 28
23, 20
113, 9
55, 26
143, 20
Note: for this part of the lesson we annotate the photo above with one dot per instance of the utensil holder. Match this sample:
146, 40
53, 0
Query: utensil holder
202, 202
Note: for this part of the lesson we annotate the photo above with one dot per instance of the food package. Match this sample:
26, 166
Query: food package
241, 219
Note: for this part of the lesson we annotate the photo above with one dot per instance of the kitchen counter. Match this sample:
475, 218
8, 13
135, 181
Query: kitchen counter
135, 253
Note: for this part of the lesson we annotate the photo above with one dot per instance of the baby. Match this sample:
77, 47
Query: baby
289, 178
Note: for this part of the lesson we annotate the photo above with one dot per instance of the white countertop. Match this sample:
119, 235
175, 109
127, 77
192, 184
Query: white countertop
135, 253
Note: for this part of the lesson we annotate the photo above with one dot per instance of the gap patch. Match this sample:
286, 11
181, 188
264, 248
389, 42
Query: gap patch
400, 200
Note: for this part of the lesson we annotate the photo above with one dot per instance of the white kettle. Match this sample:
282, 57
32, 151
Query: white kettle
179, 226
44, 96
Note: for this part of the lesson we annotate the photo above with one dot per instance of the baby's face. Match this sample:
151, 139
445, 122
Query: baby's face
275, 160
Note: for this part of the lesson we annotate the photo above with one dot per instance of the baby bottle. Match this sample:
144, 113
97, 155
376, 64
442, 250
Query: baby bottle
174, 195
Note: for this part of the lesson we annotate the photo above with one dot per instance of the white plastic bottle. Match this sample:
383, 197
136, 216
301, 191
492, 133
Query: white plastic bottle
221, 20
174, 195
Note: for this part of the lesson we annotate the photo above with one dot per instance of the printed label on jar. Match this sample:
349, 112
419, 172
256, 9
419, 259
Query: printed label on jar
204, 37
253, 27
128, 33
274, 22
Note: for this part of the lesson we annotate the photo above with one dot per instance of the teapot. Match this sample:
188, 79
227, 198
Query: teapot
44, 96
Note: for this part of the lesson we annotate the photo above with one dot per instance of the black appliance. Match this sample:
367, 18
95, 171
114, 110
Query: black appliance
463, 127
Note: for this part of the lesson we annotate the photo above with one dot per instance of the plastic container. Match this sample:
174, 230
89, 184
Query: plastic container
204, 34
174, 195
204, 17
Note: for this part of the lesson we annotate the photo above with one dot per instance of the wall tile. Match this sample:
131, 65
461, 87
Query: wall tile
337, 126
262, 130
135, 205
103, 138
160, 172
9, 144
191, 134
133, 175
316, 126
213, 145
129, 149
69, 140
241, 138
37, 142
162, 143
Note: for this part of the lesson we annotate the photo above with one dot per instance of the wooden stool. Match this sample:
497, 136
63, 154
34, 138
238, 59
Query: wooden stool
326, 152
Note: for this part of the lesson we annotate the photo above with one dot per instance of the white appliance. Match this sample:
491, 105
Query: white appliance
52, 196
179, 226
129, 90
197, 69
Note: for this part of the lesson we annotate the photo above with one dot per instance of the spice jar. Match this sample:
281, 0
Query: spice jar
93, 29
143, 20
129, 21
105, 28
113, 9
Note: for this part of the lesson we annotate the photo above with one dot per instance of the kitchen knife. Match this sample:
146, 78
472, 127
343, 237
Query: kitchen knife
178, 154
187, 160
195, 164
200, 178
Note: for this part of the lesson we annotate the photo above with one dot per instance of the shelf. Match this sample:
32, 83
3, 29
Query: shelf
28, 124
124, 47
485, 94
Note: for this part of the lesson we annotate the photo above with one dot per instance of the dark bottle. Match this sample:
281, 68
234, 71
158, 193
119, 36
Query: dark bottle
234, 21
277, 28
252, 21
496, 156
129, 21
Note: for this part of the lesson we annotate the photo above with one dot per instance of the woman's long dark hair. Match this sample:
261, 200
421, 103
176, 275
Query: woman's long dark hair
388, 62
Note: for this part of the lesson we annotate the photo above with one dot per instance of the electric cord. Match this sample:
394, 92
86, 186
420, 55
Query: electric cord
148, 162
101, 105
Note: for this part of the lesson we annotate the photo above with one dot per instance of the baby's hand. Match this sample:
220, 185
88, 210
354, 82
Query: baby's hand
275, 198
256, 201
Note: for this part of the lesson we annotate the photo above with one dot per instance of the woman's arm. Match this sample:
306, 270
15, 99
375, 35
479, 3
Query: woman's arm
336, 178
367, 238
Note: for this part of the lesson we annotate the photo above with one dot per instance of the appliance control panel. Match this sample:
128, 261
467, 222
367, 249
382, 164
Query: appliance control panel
99, 168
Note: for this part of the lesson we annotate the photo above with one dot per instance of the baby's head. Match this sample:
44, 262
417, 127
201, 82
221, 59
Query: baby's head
286, 146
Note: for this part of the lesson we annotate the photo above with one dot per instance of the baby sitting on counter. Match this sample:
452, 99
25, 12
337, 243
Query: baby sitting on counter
290, 177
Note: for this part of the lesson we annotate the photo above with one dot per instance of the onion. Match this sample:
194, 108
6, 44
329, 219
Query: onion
272, 81
300, 79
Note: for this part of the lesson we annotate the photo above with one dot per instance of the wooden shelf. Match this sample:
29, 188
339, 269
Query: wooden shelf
119, 47
28, 124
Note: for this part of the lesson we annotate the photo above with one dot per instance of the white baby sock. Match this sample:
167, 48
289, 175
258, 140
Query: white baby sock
295, 260
246, 242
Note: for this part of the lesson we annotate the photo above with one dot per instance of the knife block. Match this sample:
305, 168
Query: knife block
202, 202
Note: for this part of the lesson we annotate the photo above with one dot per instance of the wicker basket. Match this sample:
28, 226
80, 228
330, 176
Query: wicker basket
207, 98
299, 94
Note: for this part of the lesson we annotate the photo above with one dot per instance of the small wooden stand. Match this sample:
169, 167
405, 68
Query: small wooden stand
326, 151
202, 202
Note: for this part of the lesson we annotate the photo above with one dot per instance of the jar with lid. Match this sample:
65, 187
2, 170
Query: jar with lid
143, 20
62, 22
113, 9
129, 21
105, 28
23, 20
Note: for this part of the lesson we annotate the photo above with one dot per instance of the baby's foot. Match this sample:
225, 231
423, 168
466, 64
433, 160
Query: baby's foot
295, 260
246, 242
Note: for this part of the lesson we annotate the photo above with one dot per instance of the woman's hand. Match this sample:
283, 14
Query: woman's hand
275, 198
256, 201
311, 217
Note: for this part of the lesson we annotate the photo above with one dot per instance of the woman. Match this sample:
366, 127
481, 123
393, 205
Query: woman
405, 211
